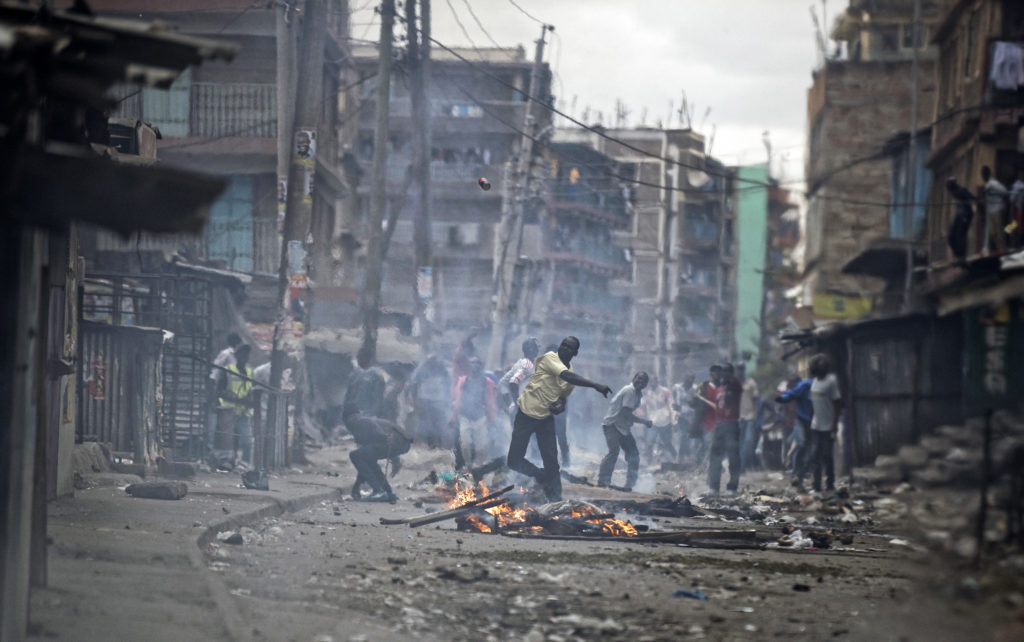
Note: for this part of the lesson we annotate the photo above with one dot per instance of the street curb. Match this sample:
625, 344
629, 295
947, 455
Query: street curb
236, 625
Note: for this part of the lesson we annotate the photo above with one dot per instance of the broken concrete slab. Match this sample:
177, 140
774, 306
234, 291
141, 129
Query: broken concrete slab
158, 490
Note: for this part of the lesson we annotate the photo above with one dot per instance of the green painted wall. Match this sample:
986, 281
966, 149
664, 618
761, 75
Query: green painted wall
751, 235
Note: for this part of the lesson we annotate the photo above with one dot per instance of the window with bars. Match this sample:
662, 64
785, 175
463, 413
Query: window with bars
169, 109
229, 233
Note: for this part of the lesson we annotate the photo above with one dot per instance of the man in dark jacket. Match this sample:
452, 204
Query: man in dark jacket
377, 439
957, 236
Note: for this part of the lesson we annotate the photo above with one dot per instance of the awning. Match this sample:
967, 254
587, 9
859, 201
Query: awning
60, 183
885, 258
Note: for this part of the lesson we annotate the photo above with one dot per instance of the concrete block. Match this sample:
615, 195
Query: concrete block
913, 457
936, 445
887, 461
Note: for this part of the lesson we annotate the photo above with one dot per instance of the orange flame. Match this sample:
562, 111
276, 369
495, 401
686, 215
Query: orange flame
475, 522
466, 491
616, 527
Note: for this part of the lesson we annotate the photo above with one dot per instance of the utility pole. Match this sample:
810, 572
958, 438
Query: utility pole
301, 167
511, 223
285, 87
908, 208
378, 196
419, 59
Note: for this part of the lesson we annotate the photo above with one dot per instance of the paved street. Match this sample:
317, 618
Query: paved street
331, 571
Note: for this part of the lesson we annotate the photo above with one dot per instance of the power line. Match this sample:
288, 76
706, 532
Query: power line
480, 24
458, 22
526, 13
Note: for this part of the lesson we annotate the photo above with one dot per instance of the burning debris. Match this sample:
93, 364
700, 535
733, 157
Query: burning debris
566, 517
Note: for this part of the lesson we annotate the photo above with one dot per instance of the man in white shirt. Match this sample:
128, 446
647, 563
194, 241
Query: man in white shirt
1017, 205
224, 359
827, 403
749, 429
618, 431
996, 196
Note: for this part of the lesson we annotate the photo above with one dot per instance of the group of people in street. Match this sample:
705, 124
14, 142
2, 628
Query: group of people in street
516, 419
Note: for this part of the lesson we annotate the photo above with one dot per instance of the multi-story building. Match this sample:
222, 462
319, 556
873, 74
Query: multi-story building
978, 110
575, 270
223, 119
860, 98
781, 273
681, 247
704, 289
473, 123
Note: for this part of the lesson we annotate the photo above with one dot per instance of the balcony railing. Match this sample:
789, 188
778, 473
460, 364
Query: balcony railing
607, 200
590, 248
442, 172
590, 299
234, 109
701, 231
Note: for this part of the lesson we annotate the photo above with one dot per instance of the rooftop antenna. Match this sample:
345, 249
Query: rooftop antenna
669, 121
819, 35
621, 113
704, 121
643, 117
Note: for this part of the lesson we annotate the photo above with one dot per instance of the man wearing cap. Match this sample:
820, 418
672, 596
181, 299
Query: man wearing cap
552, 381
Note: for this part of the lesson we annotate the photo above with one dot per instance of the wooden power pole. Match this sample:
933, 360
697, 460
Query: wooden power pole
419, 59
298, 211
370, 302
510, 227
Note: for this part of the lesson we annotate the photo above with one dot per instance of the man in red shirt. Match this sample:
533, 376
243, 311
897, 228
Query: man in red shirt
705, 408
725, 439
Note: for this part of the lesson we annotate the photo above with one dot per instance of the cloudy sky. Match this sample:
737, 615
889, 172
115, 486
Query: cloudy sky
749, 61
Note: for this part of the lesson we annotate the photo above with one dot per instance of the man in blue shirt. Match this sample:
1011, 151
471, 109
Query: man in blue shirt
799, 392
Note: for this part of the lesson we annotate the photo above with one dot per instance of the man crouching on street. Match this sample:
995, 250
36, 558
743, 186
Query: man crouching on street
618, 431
543, 397
377, 439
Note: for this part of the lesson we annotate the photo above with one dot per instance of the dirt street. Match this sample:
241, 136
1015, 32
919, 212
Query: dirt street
333, 572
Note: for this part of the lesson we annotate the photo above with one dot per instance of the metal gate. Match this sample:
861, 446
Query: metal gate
904, 379
119, 387
178, 304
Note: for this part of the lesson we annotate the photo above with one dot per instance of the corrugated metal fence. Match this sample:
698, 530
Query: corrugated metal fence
120, 386
903, 378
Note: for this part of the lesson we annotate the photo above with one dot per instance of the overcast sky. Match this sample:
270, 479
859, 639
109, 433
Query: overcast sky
749, 61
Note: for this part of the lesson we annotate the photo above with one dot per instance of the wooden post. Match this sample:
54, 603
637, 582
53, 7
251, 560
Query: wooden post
510, 228
370, 302
419, 58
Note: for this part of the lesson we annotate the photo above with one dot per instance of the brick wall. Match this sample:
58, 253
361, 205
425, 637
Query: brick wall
857, 107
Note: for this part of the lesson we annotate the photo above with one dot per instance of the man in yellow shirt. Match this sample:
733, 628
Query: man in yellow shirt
552, 381
236, 395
